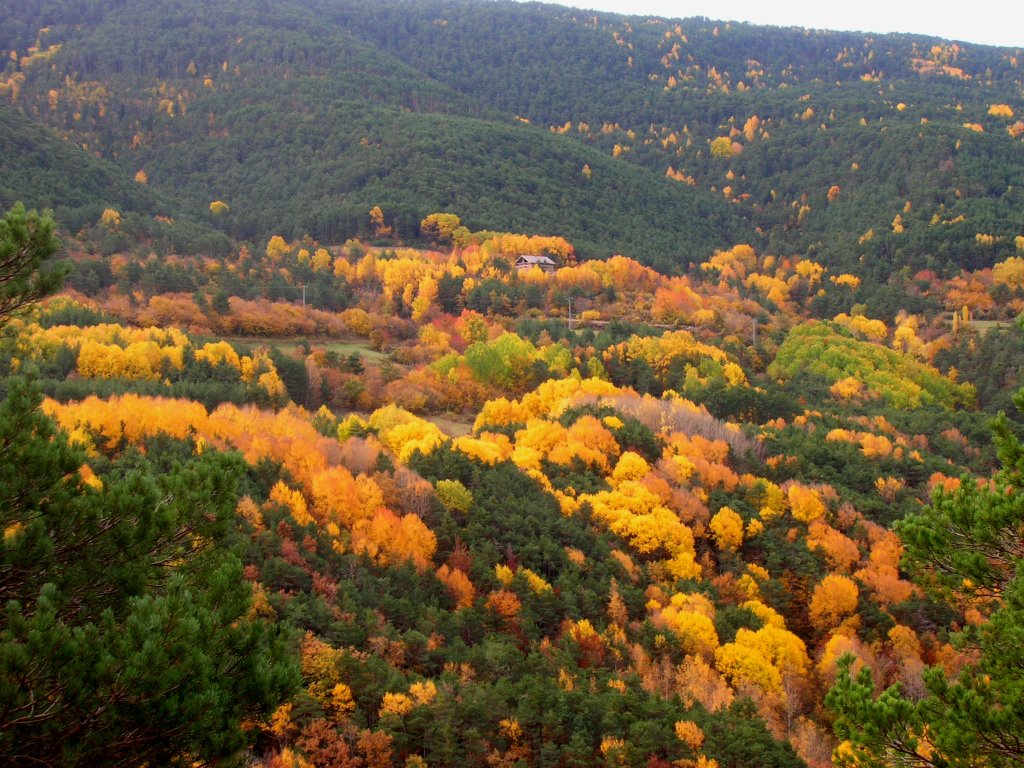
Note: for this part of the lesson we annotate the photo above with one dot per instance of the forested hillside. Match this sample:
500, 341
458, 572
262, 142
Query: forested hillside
675, 137
773, 119
41, 170
305, 466
464, 516
302, 127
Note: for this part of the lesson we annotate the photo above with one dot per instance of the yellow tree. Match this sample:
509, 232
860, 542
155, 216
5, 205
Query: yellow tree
805, 503
694, 630
727, 528
833, 600
110, 218
440, 226
321, 260
276, 248
425, 298
722, 147
377, 222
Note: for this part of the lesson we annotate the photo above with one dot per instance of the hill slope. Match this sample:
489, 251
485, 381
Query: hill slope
302, 128
41, 170
799, 108
304, 114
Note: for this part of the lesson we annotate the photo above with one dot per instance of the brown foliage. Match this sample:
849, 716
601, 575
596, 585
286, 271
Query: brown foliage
326, 748
360, 454
461, 558
697, 682
376, 747
406, 490
813, 744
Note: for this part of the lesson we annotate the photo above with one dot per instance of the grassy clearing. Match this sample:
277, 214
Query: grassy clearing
984, 326
452, 426
287, 345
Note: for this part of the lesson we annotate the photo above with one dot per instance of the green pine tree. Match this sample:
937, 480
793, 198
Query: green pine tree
969, 542
26, 243
124, 633
124, 637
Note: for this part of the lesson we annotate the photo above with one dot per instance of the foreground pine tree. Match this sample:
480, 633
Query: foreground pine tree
968, 547
124, 636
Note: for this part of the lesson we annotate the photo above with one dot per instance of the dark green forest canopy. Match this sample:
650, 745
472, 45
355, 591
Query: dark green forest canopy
303, 115
40, 169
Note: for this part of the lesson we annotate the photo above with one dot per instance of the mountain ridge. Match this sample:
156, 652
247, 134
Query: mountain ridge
270, 105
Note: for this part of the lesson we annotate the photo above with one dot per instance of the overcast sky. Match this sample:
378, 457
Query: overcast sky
975, 21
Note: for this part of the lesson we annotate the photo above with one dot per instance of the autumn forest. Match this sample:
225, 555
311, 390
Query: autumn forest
411, 383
